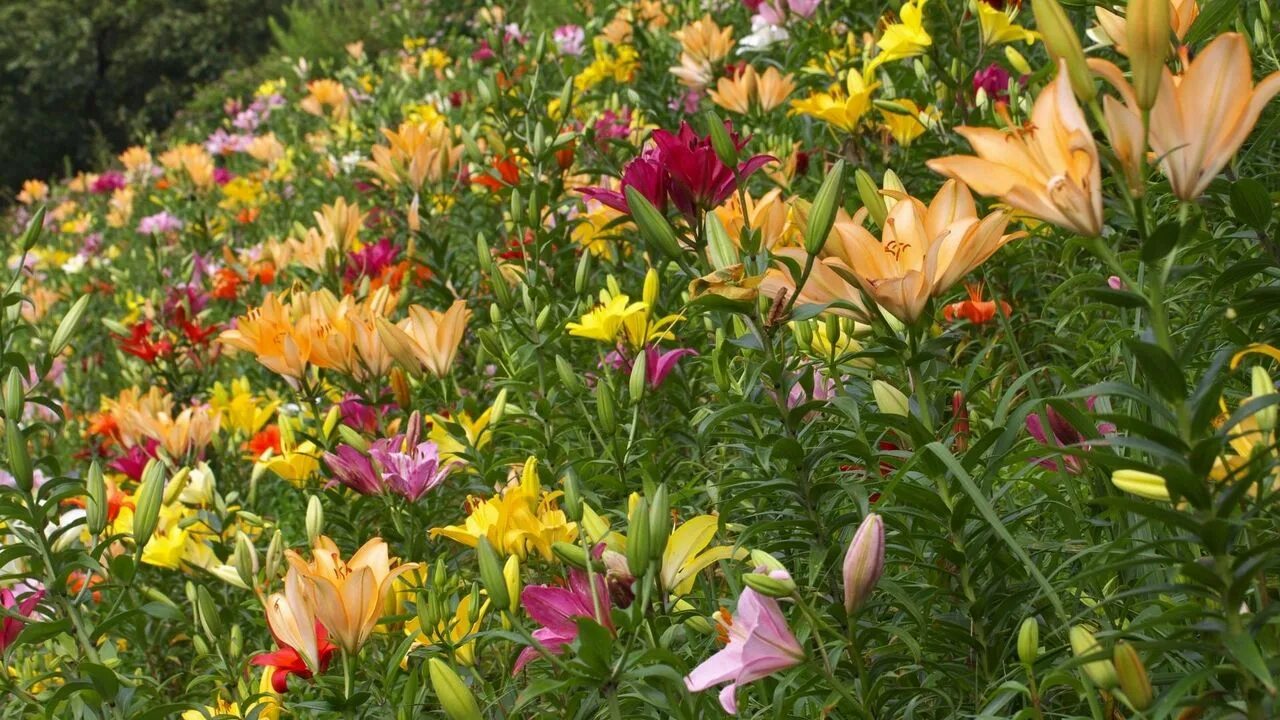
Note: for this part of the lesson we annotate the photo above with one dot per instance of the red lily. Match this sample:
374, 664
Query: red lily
975, 309
286, 661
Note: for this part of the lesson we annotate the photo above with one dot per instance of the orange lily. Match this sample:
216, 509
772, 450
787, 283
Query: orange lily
347, 596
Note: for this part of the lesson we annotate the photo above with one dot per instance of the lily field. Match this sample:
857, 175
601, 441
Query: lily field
664, 359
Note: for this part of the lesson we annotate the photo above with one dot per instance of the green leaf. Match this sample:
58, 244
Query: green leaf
1214, 16
1161, 241
1119, 298
1251, 203
1160, 369
104, 679
1245, 651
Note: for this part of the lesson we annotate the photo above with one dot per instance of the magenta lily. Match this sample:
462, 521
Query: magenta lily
1062, 434
398, 464
10, 626
760, 644
556, 608
681, 167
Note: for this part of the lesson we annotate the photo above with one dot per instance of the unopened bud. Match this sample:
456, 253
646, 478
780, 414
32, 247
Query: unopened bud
146, 512
775, 585
760, 558
1132, 674
1029, 641
1142, 484
275, 555
1099, 671
570, 554
863, 562
14, 397
96, 500
246, 559
890, 399
822, 215
456, 699
636, 383
1063, 44
871, 197
315, 519
660, 522
1262, 386
639, 545
491, 575
1147, 30
511, 574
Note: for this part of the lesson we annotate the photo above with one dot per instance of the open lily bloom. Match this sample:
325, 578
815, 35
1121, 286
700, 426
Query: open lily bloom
1048, 169
1190, 145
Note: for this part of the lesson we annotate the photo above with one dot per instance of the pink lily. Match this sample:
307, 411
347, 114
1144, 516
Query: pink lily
760, 644
556, 608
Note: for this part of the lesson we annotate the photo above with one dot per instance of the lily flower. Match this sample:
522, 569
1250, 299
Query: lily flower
1191, 146
304, 645
347, 596
997, 27
427, 339
922, 251
1113, 29
1048, 169
842, 109
975, 309
15, 611
906, 38
557, 608
760, 644
687, 553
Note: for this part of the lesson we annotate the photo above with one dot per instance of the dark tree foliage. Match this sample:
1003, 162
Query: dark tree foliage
83, 78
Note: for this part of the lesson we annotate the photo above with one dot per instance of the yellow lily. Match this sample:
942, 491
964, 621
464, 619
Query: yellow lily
687, 553
904, 39
450, 632
839, 109
997, 27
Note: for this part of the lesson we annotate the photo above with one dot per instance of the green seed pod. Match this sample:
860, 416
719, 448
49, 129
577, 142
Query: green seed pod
491, 575
639, 550
1132, 674
95, 500
822, 216
315, 519
456, 699
1029, 641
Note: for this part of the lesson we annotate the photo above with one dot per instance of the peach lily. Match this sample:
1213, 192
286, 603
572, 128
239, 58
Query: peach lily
1191, 146
1048, 169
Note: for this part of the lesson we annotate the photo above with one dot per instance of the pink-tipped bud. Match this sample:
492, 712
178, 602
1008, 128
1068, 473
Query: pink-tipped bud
864, 563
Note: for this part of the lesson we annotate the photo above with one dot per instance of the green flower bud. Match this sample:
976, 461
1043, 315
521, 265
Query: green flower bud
654, 228
246, 559
636, 383
207, 612
491, 575
1099, 671
760, 558
456, 699
890, 399
568, 378
315, 519
1063, 44
572, 499
19, 457
822, 216
146, 512
605, 409
720, 140
66, 328
95, 500
14, 397
570, 554
1147, 30
871, 197
770, 586
660, 522
1029, 641
639, 549
275, 555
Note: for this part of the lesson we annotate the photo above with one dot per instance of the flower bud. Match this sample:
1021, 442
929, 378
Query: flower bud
1016, 59
511, 574
863, 562
720, 140
499, 407
760, 558
636, 383
176, 485
235, 642
1142, 484
871, 198
351, 437
95, 500
572, 495
568, 378
1100, 671
14, 396
1029, 640
275, 554
659, 522
315, 519
605, 409
19, 458
654, 228
776, 584
246, 559
822, 215
1063, 44
890, 399
31, 235
491, 575
1147, 30
1262, 386
570, 554
456, 699
639, 547
1132, 674
207, 613
146, 512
